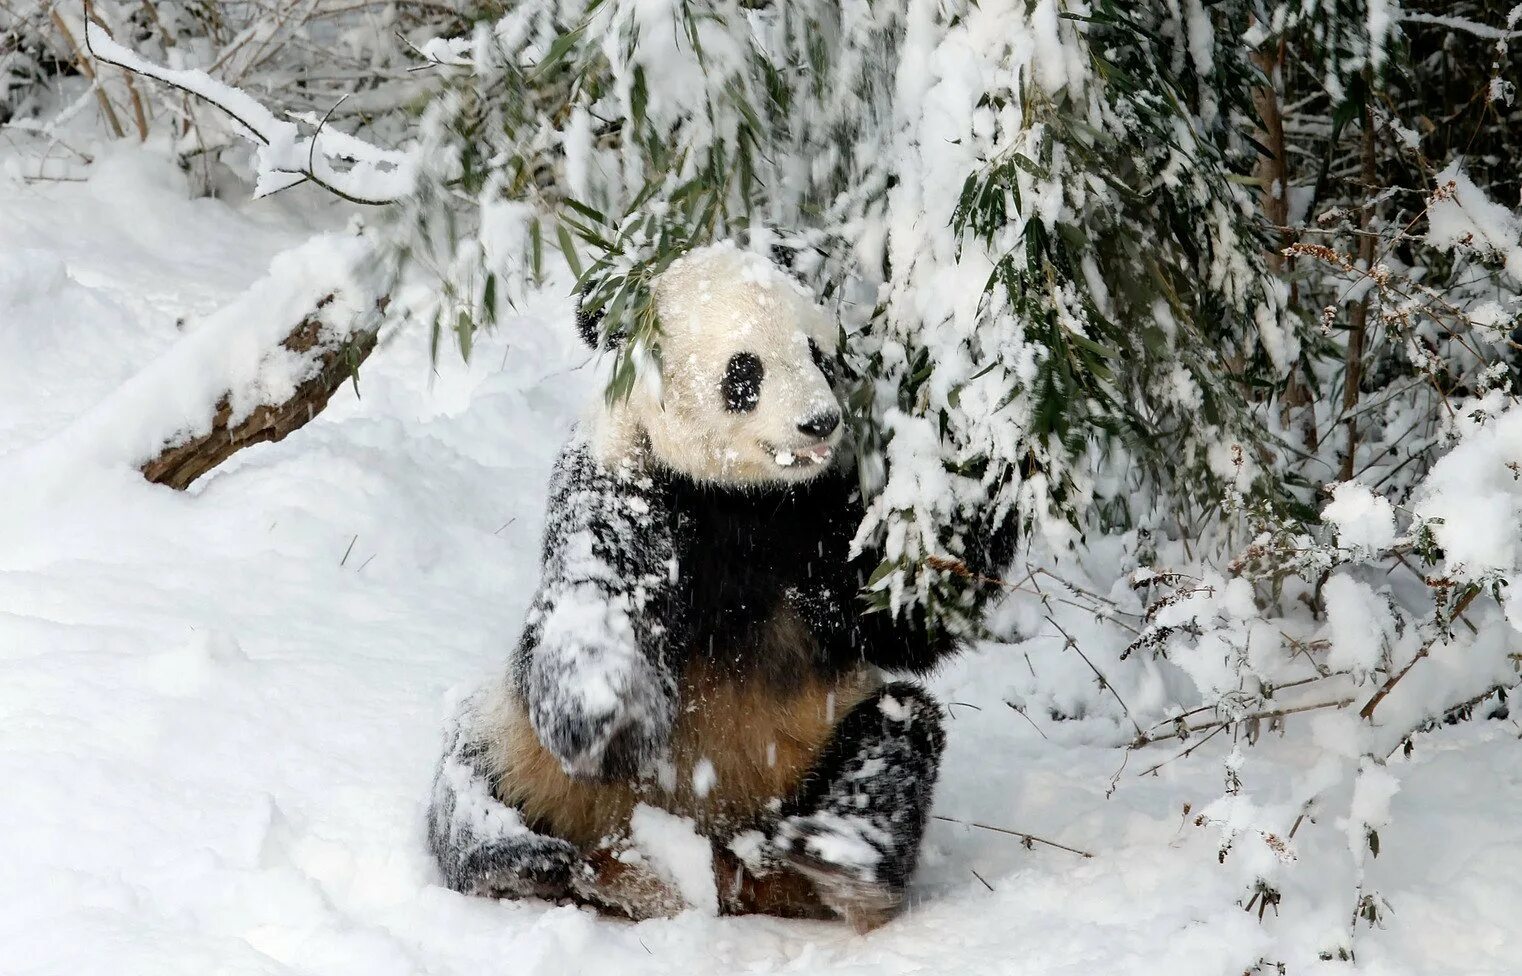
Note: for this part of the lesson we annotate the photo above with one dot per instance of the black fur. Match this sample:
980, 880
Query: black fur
744, 553
607, 603
481, 844
870, 789
825, 364
742, 382
588, 323
643, 570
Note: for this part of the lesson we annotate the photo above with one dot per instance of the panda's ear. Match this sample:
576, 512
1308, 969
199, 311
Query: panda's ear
786, 257
588, 323
801, 260
589, 326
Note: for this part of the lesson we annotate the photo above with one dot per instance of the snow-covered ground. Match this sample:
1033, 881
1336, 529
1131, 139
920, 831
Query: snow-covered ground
219, 710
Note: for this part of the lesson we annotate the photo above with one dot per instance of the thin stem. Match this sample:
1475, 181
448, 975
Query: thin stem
1367, 712
1147, 740
1028, 838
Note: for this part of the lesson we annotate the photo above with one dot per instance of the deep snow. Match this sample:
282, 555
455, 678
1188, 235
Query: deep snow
219, 710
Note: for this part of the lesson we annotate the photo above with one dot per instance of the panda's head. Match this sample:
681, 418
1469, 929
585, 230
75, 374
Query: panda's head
746, 392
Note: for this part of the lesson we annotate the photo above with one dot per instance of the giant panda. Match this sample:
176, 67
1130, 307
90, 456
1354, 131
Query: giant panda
698, 642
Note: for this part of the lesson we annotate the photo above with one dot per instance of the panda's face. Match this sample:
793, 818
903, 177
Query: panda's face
746, 393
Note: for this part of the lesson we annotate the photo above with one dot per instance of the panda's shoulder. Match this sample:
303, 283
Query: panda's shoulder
584, 463
614, 499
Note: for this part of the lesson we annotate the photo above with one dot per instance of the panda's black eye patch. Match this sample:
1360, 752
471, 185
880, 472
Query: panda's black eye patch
742, 382
826, 364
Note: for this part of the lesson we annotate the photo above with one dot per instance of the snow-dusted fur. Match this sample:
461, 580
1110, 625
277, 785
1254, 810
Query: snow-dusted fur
713, 304
698, 643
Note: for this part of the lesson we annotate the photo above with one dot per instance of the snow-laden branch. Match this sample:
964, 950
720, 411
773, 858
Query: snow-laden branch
1464, 25
376, 176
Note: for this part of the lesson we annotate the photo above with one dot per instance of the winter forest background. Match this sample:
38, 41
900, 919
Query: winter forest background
1217, 301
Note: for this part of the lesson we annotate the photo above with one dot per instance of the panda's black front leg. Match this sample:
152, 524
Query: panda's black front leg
855, 826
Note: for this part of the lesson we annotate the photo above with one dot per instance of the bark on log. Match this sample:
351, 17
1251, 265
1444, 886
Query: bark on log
335, 360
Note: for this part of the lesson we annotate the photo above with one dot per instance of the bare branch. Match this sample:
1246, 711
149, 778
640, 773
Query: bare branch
377, 177
1028, 838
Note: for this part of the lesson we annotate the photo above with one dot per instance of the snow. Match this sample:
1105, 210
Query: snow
679, 852
1355, 619
1462, 216
1364, 521
221, 709
1472, 498
704, 777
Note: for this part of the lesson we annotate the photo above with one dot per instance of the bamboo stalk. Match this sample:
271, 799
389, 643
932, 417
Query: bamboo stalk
87, 68
1358, 316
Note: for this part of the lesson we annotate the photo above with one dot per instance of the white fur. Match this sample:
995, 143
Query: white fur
712, 303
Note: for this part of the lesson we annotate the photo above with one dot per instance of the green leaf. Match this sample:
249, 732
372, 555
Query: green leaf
596, 216
464, 331
489, 298
558, 50
1089, 344
568, 248
881, 572
639, 96
1031, 166
536, 250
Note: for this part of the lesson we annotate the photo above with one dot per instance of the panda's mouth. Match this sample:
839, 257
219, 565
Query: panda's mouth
802, 457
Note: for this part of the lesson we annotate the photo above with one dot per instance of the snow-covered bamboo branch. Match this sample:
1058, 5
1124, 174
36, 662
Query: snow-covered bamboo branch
285, 157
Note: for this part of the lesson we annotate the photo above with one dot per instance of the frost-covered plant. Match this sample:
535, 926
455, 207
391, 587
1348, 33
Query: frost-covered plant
1028, 216
344, 64
1284, 453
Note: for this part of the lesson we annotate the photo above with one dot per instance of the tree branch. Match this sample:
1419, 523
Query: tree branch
1367, 712
378, 176
1028, 838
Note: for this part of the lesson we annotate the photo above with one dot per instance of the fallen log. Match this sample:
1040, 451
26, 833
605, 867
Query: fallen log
332, 357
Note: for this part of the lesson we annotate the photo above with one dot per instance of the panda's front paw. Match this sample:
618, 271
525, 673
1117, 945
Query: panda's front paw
597, 747
604, 714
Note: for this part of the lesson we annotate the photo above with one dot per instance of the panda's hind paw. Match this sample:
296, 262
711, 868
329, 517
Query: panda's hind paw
531, 866
838, 855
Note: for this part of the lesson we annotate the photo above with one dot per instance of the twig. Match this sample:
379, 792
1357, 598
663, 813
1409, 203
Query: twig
1452, 712
1367, 711
1106, 608
1188, 730
1183, 755
1028, 838
139, 113
1103, 681
1272, 688
1359, 315
88, 69
1021, 713
312, 148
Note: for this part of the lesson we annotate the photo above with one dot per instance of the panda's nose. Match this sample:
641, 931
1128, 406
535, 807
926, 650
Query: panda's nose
821, 424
